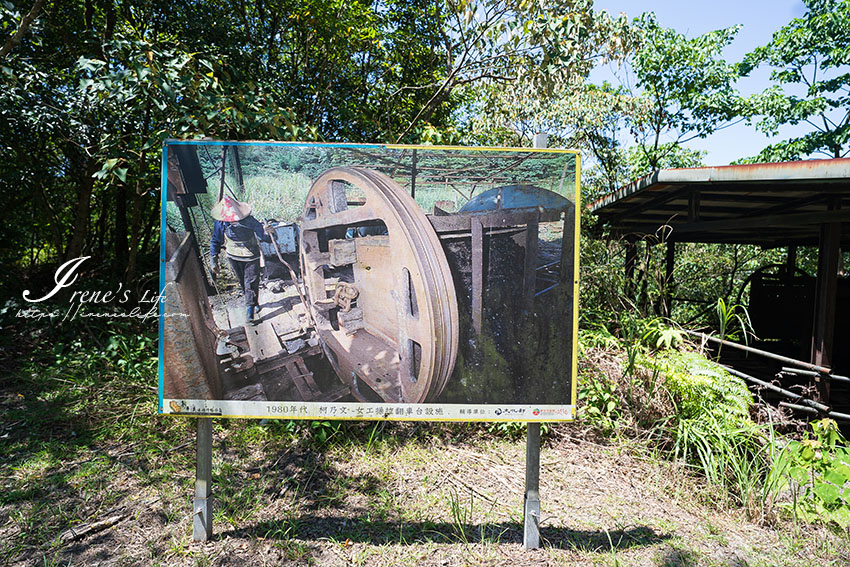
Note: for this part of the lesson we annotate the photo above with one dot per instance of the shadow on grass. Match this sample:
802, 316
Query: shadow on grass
361, 529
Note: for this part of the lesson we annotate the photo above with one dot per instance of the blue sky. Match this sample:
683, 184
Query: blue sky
759, 18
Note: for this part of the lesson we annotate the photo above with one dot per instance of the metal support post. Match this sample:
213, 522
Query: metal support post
202, 505
531, 509
477, 275
531, 530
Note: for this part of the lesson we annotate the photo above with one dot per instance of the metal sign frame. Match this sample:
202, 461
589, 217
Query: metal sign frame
481, 226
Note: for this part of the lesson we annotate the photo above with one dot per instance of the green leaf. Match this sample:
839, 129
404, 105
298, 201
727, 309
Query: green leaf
799, 475
829, 493
838, 474
167, 91
841, 516
807, 453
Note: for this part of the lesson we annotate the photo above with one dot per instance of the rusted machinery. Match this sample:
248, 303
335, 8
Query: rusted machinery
385, 283
380, 287
781, 309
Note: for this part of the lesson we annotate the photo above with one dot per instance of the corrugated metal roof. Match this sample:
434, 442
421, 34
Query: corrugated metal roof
770, 204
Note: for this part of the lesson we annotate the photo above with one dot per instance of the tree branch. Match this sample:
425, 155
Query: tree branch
22, 29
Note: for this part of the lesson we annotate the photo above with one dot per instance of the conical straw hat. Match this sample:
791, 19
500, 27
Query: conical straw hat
230, 210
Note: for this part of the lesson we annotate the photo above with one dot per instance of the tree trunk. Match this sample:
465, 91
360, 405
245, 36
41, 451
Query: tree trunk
85, 188
48, 212
120, 227
135, 237
149, 230
102, 228
138, 193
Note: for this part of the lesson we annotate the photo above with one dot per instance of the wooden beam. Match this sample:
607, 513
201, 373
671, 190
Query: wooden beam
477, 274
743, 230
792, 205
498, 219
771, 239
705, 210
694, 206
836, 216
708, 197
836, 185
648, 204
174, 265
529, 278
823, 331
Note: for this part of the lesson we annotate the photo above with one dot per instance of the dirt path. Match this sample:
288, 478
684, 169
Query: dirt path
423, 501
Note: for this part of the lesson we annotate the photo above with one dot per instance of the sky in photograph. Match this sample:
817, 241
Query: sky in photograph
759, 18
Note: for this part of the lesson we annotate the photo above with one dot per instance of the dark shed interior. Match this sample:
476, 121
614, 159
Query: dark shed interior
803, 203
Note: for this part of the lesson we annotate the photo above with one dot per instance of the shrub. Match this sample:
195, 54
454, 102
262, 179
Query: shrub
816, 473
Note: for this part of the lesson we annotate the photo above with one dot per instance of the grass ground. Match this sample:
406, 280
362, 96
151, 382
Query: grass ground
377, 494
81, 447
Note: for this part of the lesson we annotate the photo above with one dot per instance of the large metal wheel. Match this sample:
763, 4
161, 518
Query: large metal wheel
379, 287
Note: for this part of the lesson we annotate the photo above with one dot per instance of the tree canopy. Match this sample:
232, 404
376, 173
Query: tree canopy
89, 89
809, 59
688, 88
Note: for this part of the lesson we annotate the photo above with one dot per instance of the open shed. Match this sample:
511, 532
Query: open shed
803, 203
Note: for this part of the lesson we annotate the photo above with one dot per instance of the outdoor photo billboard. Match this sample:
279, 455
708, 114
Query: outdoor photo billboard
367, 281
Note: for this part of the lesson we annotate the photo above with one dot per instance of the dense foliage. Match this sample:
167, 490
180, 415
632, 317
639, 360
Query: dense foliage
642, 381
90, 89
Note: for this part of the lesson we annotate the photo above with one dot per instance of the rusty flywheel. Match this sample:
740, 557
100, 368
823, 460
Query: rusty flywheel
379, 287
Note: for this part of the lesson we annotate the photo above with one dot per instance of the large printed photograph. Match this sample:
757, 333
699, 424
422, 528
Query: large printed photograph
368, 281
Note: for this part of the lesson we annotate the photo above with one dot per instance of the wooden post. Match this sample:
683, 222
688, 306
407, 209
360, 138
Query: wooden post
823, 331
791, 260
693, 206
531, 508
631, 260
529, 279
222, 175
202, 507
413, 176
477, 275
201, 252
237, 171
670, 263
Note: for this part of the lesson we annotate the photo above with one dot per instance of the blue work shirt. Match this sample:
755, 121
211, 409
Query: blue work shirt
239, 231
